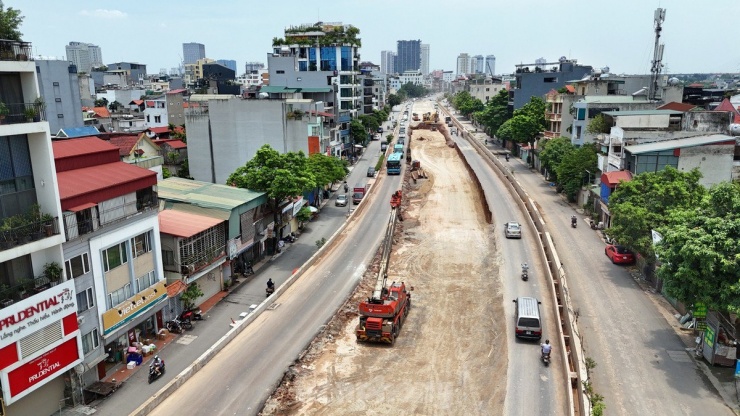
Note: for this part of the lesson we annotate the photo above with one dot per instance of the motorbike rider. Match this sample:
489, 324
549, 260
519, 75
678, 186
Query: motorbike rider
573, 219
346, 187
157, 365
270, 284
546, 348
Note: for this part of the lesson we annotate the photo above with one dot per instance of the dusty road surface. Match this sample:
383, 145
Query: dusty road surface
449, 359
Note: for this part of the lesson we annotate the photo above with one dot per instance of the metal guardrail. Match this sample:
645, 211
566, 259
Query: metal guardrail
14, 50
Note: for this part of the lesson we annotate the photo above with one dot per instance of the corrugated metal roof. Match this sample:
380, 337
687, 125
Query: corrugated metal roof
642, 113
613, 99
74, 132
678, 143
316, 89
277, 89
177, 144
79, 146
102, 182
683, 107
184, 224
613, 178
178, 91
207, 195
194, 209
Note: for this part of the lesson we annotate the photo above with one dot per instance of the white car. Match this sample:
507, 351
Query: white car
513, 229
341, 200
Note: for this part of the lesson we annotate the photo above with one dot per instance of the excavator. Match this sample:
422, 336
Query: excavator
382, 315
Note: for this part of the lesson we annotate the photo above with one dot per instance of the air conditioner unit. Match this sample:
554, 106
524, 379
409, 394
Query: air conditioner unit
80, 320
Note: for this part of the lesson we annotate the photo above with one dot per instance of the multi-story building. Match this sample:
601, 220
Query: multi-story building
41, 343
387, 62
219, 79
485, 88
165, 109
112, 250
533, 82
477, 64
194, 71
135, 72
192, 52
250, 67
490, 65
60, 90
463, 64
424, 59
85, 56
228, 63
414, 77
320, 62
408, 56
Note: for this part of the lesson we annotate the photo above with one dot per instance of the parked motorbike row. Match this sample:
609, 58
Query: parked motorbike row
184, 321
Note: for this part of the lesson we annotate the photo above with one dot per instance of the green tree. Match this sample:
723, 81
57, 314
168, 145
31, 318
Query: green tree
598, 125
553, 151
644, 203
369, 123
10, 22
413, 90
183, 171
101, 102
466, 103
526, 123
114, 106
700, 251
326, 169
357, 132
190, 295
394, 100
571, 171
495, 113
281, 176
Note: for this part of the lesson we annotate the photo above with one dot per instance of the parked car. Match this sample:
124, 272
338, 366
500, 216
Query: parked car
341, 200
383, 146
619, 254
513, 229
371, 172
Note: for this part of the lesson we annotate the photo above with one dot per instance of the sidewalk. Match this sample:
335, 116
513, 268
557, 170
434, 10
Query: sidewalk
722, 378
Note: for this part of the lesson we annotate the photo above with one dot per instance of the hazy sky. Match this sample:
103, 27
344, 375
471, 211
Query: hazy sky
698, 36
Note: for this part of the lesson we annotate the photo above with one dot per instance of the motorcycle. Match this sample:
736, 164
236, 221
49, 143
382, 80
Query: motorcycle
573, 222
192, 315
525, 271
153, 373
507, 157
173, 326
545, 356
269, 291
248, 270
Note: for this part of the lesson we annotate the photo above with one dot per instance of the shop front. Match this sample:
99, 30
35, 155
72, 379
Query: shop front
719, 341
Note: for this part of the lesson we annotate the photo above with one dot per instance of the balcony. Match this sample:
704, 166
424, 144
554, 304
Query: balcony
194, 263
90, 219
23, 288
13, 50
22, 113
18, 230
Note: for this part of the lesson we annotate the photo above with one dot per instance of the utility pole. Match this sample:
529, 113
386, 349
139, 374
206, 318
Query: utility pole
657, 67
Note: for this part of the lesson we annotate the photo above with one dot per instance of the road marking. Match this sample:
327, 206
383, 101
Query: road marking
186, 339
679, 356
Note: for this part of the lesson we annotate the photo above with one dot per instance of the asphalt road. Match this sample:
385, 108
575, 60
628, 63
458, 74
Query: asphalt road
240, 378
532, 388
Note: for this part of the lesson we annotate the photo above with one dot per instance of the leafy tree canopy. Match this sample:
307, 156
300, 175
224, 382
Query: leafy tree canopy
326, 169
357, 131
700, 251
553, 151
644, 203
495, 111
466, 103
10, 22
571, 171
414, 90
526, 123
101, 102
598, 125
280, 175
394, 100
370, 122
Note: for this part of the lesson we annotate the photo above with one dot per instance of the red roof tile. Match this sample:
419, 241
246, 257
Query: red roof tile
137, 102
187, 104
177, 144
696, 85
159, 142
322, 113
102, 182
726, 105
124, 143
571, 89
184, 224
175, 288
613, 178
159, 130
180, 91
683, 107
101, 112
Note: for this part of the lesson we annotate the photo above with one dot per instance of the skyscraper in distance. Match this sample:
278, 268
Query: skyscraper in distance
425, 59
228, 63
477, 64
84, 55
193, 51
408, 56
490, 65
387, 62
463, 64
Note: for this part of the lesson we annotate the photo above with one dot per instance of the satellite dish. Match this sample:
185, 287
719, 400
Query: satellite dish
562, 59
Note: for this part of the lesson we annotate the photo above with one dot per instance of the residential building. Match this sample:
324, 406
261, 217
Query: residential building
124, 96
228, 63
165, 109
424, 59
328, 74
60, 91
490, 68
85, 56
99, 118
219, 79
75, 132
194, 71
37, 304
414, 77
250, 67
87, 90
112, 251
139, 150
532, 82
448, 76
254, 78
174, 152
463, 64
477, 64
408, 56
192, 52
134, 71
485, 88
128, 123
388, 62
223, 134
206, 251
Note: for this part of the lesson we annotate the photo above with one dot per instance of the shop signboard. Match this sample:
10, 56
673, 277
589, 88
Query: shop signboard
700, 310
297, 205
31, 314
737, 368
709, 337
121, 314
31, 375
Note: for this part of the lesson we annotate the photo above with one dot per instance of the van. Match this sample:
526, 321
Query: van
527, 321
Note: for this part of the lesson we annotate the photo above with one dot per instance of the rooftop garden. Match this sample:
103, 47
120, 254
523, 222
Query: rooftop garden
305, 35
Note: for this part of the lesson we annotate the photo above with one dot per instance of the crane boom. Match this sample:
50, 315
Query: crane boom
385, 257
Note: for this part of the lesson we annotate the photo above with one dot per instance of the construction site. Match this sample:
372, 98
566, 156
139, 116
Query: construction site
445, 354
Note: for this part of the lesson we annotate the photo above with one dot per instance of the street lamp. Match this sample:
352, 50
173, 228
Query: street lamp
589, 175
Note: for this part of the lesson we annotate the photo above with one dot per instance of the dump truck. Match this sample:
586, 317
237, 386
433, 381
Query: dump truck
358, 192
382, 314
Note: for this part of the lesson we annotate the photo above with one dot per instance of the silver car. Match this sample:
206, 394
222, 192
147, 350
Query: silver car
341, 200
513, 229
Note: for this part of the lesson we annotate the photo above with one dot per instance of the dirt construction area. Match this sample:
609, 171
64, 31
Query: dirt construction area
450, 358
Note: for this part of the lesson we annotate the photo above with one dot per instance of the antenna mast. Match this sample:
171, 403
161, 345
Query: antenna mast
657, 55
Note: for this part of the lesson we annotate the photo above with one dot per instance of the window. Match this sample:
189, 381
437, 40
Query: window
77, 266
581, 114
147, 118
119, 296
85, 300
90, 341
58, 100
55, 84
60, 115
551, 80
157, 119
168, 257
140, 244
115, 256
279, 71
145, 281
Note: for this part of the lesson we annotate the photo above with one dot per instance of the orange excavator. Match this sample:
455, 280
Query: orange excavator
382, 315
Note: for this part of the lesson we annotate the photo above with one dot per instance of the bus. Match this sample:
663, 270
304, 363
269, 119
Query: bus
398, 148
393, 164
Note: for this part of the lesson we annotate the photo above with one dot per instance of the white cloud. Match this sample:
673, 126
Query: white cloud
104, 14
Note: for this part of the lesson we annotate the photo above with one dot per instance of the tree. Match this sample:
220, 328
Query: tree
10, 22
598, 125
643, 204
357, 132
184, 170
413, 90
700, 251
326, 169
394, 100
101, 102
190, 295
552, 154
571, 171
526, 123
114, 106
281, 176
369, 123
495, 113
